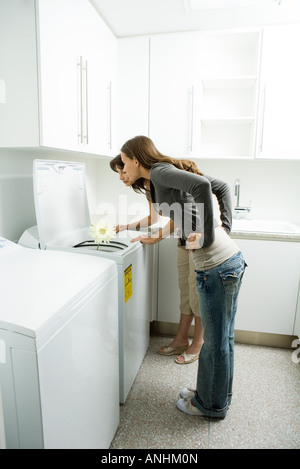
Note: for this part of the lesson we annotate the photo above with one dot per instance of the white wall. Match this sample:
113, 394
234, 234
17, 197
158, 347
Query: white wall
16, 195
272, 187
127, 204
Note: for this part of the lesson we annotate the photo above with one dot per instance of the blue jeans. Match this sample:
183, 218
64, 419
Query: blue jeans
218, 290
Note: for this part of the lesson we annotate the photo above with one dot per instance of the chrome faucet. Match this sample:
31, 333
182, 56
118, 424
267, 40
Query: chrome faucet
238, 209
237, 187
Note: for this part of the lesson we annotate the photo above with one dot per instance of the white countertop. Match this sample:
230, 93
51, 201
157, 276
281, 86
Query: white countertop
274, 230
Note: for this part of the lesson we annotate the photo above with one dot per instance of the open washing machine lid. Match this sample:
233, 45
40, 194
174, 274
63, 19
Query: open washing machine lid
62, 212
61, 203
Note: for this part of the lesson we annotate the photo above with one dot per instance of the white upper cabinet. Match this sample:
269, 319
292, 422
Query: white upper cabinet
278, 135
213, 94
133, 88
204, 93
173, 83
98, 53
58, 42
60, 61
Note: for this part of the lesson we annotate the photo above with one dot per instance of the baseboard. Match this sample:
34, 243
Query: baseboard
241, 337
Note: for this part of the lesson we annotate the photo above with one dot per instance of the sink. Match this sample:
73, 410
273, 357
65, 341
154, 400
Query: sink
265, 226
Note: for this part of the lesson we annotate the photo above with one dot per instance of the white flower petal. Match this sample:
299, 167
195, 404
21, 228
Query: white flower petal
102, 231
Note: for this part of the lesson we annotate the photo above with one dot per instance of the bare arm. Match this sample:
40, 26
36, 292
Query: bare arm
152, 218
160, 235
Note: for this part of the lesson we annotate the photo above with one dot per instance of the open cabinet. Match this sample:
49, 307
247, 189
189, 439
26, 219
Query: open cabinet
229, 69
204, 93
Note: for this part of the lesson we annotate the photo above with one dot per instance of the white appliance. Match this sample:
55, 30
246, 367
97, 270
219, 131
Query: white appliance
2, 430
63, 223
59, 374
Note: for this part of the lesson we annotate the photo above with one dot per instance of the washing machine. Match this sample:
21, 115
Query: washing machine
59, 373
63, 223
2, 431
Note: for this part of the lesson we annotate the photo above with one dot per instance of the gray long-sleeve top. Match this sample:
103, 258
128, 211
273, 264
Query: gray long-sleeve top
187, 199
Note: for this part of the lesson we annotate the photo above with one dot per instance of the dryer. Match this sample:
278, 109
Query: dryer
59, 349
63, 223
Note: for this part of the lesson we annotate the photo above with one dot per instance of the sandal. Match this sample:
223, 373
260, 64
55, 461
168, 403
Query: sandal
188, 358
168, 351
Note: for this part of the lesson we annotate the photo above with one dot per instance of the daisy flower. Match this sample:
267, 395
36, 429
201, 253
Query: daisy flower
102, 232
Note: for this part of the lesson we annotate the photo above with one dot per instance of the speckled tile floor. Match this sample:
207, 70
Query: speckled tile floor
265, 411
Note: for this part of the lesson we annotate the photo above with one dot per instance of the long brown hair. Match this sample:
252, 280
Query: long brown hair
143, 149
138, 186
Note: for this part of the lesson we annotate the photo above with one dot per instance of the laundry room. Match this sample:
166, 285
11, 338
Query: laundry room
84, 84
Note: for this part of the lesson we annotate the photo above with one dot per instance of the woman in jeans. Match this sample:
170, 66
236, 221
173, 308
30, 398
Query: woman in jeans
189, 304
189, 308
186, 196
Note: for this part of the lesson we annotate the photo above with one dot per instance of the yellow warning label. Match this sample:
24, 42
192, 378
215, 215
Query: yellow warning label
128, 283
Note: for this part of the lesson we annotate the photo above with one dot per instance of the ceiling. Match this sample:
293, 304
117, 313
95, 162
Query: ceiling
138, 17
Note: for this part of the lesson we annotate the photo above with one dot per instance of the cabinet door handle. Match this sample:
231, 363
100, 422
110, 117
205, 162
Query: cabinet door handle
80, 110
85, 69
261, 142
192, 120
109, 115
